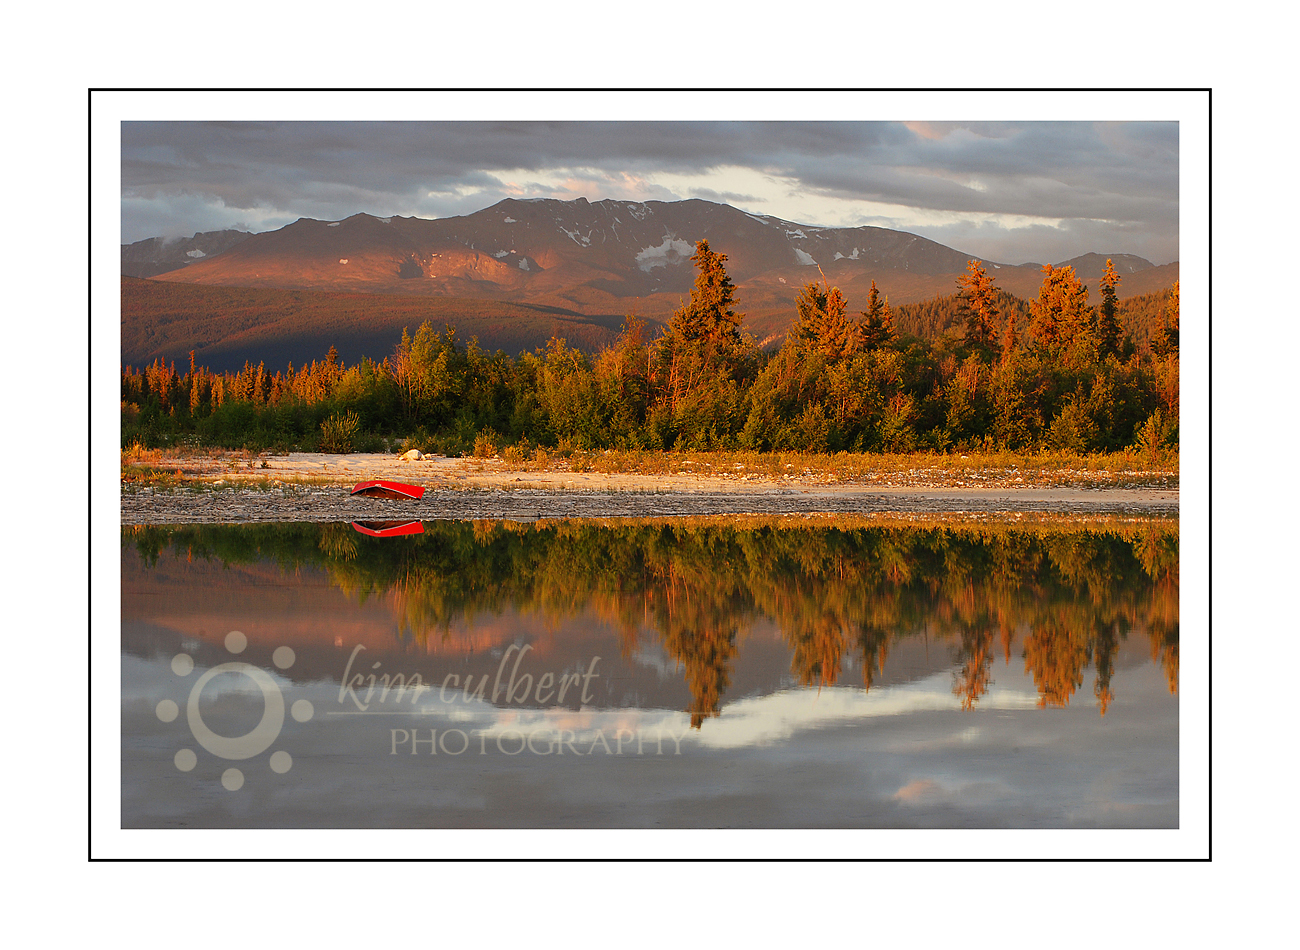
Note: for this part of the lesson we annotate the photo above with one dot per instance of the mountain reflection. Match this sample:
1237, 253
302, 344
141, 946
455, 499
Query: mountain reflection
843, 592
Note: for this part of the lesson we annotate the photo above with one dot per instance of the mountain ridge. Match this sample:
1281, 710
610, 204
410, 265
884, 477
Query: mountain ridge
608, 256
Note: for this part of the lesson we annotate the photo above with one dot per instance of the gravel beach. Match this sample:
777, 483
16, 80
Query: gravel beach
308, 487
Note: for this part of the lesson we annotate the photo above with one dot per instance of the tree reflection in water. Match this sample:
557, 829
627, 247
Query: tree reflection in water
837, 587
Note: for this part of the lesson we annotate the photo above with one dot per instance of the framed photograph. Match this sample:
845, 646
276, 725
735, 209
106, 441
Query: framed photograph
542, 462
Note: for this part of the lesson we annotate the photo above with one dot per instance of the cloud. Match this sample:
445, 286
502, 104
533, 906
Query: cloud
724, 197
921, 789
1008, 186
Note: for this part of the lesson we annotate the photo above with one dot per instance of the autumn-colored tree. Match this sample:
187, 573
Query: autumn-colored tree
1009, 339
968, 398
698, 364
710, 314
823, 326
1061, 315
428, 369
978, 300
1109, 333
623, 372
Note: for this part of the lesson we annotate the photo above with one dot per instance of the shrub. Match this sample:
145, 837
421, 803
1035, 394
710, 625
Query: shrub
338, 431
1073, 429
485, 444
1156, 437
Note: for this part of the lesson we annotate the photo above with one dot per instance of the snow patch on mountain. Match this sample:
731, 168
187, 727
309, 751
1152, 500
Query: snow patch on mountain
196, 253
578, 239
803, 257
523, 263
672, 250
852, 257
333, 224
509, 220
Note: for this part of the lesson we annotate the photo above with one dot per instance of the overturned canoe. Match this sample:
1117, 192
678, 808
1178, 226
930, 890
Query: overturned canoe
388, 529
382, 489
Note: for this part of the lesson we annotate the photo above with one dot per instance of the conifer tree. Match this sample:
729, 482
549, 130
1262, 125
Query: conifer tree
877, 320
1108, 328
978, 300
695, 361
823, 325
1009, 338
710, 314
1061, 315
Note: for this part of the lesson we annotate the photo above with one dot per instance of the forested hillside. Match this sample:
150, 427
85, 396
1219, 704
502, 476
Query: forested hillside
1142, 317
227, 326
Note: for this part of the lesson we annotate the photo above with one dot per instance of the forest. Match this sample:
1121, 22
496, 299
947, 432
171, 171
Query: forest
1057, 374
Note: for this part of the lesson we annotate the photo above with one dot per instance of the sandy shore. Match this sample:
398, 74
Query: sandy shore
316, 487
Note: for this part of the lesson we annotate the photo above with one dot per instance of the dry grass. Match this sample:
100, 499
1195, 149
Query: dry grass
181, 466
1056, 469
135, 479
178, 467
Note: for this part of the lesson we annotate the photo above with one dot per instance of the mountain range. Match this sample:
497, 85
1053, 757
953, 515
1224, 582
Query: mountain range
592, 260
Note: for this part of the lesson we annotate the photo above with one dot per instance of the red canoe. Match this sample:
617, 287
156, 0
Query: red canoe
382, 489
388, 529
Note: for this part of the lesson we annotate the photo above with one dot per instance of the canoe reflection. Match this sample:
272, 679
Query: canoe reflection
388, 529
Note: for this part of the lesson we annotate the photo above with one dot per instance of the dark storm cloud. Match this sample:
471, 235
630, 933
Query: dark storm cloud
406, 156
1113, 181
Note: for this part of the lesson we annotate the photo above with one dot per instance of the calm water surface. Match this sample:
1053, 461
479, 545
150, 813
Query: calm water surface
753, 672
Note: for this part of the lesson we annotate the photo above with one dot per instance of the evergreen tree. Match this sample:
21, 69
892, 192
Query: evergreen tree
978, 301
697, 362
1061, 315
877, 321
710, 315
1009, 339
1108, 329
823, 326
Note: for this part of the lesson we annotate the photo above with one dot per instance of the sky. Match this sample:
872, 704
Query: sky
1012, 192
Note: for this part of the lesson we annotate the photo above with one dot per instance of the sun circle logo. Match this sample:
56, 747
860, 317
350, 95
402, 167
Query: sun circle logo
252, 743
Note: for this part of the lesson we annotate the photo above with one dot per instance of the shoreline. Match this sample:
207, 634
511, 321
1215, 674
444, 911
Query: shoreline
310, 487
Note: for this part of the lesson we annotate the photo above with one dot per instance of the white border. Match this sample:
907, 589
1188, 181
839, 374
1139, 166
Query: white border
1189, 109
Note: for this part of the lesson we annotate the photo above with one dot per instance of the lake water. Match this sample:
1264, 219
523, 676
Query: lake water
751, 672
